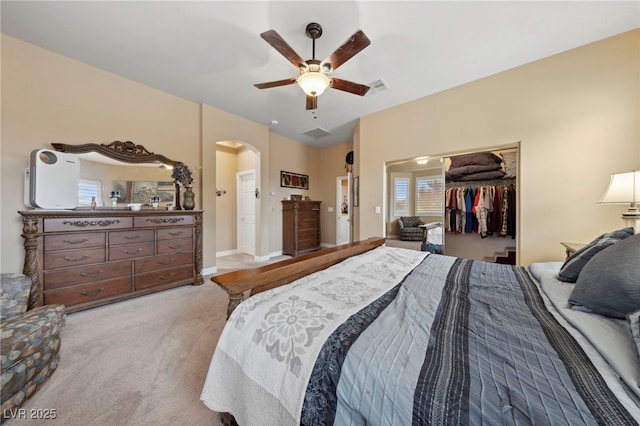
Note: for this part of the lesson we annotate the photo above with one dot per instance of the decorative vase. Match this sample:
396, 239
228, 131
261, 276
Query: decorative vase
188, 202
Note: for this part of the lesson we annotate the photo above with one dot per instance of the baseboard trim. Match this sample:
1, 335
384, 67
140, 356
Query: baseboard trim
209, 271
226, 253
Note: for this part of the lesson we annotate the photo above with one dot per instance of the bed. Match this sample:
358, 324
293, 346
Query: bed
380, 335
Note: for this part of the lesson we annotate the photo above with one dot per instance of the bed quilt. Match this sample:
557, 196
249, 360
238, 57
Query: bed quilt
397, 338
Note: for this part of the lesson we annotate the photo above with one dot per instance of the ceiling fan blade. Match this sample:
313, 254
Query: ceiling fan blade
312, 102
275, 83
349, 86
278, 43
348, 50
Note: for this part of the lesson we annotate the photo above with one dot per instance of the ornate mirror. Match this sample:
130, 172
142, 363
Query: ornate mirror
122, 173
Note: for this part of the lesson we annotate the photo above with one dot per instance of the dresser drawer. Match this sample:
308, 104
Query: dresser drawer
171, 233
308, 234
64, 259
311, 215
166, 276
88, 293
74, 241
308, 225
130, 251
308, 244
86, 274
132, 236
174, 246
86, 224
149, 264
154, 221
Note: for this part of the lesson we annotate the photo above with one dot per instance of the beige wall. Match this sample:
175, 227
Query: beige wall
230, 162
226, 205
575, 114
50, 98
333, 163
219, 126
290, 156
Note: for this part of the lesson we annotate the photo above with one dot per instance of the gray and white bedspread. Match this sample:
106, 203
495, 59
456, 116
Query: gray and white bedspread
449, 341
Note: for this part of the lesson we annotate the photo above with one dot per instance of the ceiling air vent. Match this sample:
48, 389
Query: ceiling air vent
316, 133
377, 86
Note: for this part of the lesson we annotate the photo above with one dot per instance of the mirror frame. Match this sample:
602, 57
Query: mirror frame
127, 152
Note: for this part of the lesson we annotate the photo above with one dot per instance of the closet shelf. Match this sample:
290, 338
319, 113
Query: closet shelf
477, 183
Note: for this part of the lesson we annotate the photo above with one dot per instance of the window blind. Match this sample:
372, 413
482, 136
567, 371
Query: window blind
429, 196
401, 196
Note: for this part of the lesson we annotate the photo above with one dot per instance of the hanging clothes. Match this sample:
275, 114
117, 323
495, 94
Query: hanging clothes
488, 210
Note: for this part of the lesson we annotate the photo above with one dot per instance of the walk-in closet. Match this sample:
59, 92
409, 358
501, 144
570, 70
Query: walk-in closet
473, 196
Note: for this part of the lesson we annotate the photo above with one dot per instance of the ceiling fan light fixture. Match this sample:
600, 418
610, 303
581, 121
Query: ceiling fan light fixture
313, 83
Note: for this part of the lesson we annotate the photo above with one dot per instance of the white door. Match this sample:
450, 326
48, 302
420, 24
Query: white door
247, 212
344, 210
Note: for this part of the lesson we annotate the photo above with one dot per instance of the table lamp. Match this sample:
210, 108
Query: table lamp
625, 188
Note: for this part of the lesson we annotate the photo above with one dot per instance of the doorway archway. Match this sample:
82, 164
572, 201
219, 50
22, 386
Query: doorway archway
236, 159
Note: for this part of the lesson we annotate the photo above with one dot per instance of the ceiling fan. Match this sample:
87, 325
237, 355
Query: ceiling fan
313, 77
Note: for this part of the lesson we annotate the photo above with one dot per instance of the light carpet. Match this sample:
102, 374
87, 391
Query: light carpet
137, 362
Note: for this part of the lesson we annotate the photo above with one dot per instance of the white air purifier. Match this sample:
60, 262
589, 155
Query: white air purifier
53, 180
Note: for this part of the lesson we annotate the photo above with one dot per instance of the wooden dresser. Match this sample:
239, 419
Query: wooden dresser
300, 226
84, 259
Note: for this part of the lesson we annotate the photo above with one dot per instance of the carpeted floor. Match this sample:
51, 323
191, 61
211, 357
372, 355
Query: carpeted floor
138, 362
237, 261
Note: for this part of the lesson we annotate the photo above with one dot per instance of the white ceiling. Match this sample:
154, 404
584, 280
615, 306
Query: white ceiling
211, 52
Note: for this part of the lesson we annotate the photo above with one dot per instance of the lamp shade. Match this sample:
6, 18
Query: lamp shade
623, 188
313, 83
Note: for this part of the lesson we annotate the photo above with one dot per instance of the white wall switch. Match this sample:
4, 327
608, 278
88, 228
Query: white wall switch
330, 209
378, 210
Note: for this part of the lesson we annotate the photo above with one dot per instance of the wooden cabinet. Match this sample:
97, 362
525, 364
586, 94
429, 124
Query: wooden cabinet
300, 226
84, 259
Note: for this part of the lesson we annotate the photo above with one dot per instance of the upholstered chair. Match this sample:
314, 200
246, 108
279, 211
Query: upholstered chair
29, 341
410, 228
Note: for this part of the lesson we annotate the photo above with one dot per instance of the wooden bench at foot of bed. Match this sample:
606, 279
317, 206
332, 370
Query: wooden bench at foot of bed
238, 283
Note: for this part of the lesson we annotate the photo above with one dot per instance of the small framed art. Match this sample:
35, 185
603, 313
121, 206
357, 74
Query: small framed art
294, 180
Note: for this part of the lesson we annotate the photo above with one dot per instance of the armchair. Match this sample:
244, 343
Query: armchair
30, 341
410, 228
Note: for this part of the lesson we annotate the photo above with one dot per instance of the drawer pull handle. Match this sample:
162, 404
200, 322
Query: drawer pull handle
85, 275
175, 234
77, 259
166, 262
85, 223
92, 293
132, 237
174, 247
133, 252
172, 220
166, 277
84, 240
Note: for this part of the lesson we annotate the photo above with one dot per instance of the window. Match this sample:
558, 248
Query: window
429, 196
401, 196
88, 189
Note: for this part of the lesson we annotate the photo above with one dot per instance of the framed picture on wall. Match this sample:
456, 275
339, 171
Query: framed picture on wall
294, 180
356, 191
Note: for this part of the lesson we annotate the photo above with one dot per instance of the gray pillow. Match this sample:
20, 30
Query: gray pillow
474, 158
574, 264
610, 283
